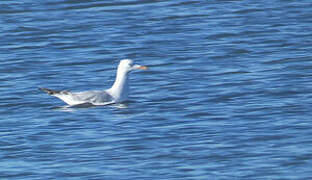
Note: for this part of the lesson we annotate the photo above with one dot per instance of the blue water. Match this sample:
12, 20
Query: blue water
228, 93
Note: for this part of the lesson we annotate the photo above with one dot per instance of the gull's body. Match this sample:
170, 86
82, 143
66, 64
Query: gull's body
119, 92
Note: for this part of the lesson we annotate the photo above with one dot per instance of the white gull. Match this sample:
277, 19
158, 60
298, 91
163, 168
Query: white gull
116, 94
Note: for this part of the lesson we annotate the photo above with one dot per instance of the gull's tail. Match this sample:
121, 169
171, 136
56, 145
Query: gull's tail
50, 91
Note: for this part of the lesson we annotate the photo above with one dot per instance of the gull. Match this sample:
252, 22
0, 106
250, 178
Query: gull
118, 93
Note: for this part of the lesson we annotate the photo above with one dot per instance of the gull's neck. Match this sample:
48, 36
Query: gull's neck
120, 88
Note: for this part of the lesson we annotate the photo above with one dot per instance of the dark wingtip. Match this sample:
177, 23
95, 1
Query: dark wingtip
49, 91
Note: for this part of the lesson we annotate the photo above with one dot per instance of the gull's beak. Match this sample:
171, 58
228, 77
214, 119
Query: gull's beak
140, 67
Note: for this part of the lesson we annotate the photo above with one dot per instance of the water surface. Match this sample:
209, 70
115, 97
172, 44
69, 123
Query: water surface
227, 96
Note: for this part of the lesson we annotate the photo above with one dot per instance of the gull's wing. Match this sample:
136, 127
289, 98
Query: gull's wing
94, 97
75, 98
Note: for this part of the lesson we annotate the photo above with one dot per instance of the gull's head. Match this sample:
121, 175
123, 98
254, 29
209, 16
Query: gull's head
126, 65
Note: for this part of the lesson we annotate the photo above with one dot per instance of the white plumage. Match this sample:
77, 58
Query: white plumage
119, 92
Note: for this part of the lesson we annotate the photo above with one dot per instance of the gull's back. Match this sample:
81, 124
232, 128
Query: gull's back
93, 97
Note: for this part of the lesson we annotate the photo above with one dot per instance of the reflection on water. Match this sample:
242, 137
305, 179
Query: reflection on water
69, 108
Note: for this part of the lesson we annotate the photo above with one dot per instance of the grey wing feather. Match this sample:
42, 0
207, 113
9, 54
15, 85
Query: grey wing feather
92, 96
